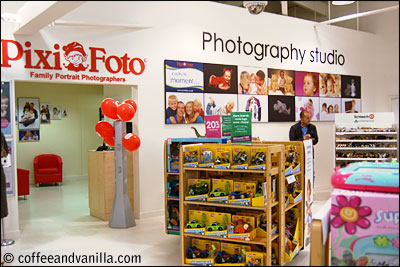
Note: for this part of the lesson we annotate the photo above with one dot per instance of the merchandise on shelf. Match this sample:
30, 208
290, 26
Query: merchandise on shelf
218, 224
292, 165
207, 153
173, 216
240, 157
242, 227
198, 189
243, 192
262, 225
197, 222
202, 252
191, 156
223, 157
221, 190
255, 258
173, 189
258, 158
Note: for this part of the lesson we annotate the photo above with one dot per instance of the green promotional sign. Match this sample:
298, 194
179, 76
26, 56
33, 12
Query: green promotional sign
226, 125
241, 127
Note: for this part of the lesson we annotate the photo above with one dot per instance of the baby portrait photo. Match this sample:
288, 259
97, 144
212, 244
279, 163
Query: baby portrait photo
183, 76
222, 79
181, 108
307, 83
257, 105
281, 82
252, 81
220, 104
351, 105
329, 85
351, 86
310, 104
28, 113
281, 108
328, 108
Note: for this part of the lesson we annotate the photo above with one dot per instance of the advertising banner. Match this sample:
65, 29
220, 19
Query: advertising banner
226, 125
308, 189
213, 126
241, 127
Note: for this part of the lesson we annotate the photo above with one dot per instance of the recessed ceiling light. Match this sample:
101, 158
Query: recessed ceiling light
342, 3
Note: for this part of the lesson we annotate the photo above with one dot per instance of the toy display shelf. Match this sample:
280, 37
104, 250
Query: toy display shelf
365, 141
275, 158
173, 174
364, 133
363, 159
367, 148
300, 177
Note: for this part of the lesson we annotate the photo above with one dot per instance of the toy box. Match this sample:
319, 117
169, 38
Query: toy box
207, 155
364, 228
223, 157
240, 157
295, 197
292, 246
218, 224
368, 176
242, 193
221, 189
173, 216
255, 258
198, 189
243, 227
262, 225
191, 156
231, 255
197, 222
207, 247
173, 189
258, 158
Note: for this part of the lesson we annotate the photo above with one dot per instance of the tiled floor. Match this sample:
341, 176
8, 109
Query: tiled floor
55, 220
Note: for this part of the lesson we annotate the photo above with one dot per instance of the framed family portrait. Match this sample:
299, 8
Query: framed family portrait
45, 113
56, 113
28, 113
29, 135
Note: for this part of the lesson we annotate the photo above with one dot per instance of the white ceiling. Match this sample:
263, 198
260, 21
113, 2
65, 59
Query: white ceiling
11, 6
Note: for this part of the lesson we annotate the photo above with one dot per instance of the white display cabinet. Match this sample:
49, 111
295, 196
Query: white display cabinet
365, 137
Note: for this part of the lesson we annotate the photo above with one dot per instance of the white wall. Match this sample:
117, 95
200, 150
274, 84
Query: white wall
176, 34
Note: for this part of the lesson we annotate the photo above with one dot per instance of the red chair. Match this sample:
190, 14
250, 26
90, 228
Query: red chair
47, 169
23, 182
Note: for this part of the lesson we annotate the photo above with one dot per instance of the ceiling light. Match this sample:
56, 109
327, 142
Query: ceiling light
342, 3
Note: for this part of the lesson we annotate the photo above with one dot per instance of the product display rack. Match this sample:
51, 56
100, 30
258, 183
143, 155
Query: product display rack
353, 146
275, 158
171, 172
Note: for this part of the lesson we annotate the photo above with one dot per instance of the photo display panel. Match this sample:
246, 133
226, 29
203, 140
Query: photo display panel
194, 90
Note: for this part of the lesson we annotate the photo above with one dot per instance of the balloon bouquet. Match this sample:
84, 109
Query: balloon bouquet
118, 111
121, 214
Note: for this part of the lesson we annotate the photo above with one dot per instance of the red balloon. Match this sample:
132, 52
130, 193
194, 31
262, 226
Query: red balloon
104, 129
132, 103
109, 108
109, 141
131, 142
125, 112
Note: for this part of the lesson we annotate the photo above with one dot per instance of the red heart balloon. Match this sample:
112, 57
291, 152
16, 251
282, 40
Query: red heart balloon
104, 129
131, 142
109, 141
125, 112
109, 108
132, 103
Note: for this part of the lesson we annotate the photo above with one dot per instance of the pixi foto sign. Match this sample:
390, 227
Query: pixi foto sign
72, 61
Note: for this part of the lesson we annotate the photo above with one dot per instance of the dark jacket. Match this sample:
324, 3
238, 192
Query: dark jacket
3, 197
296, 134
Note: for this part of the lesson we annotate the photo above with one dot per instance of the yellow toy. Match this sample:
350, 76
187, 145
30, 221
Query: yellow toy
191, 156
223, 157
